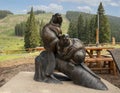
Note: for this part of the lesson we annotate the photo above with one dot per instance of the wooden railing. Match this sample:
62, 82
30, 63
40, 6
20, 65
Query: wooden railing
22, 50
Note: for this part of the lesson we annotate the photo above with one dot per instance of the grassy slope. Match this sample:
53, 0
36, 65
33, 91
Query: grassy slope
7, 39
10, 42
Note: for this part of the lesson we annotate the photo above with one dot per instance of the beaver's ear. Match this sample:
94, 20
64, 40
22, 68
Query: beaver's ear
60, 36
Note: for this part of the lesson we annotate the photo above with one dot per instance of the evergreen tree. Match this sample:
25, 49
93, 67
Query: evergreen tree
92, 30
86, 32
104, 28
31, 38
20, 29
23, 28
41, 25
16, 30
80, 28
72, 30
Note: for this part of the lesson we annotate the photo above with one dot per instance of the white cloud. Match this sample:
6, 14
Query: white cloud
24, 11
94, 2
84, 9
88, 2
21, 11
49, 8
114, 4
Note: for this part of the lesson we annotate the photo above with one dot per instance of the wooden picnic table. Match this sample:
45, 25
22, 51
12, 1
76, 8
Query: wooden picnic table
95, 56
90, 51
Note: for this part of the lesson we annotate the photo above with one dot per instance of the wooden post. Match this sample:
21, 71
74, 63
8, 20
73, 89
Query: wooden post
97, 37
97, 31
113, 41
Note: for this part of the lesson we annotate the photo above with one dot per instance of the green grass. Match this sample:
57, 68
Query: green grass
10, 57
4, 57
11, 43
9, 22
65, 24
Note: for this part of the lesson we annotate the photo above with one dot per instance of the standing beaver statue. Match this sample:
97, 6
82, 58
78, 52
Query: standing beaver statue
45, 63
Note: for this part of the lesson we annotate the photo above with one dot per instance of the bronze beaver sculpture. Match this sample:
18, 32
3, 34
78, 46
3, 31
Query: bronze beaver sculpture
71, 49
65, 55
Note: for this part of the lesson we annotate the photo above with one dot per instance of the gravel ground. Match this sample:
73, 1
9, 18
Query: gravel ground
9, 69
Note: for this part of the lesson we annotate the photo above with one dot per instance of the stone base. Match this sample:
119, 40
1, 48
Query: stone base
24, 83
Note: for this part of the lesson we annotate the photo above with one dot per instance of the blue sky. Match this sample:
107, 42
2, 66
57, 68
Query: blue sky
112, 7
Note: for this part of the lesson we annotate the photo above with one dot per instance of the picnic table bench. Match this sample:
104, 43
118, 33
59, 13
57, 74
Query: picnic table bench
101, 62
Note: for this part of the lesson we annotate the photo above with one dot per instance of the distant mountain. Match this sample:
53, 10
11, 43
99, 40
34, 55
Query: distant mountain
4, 13
113, 20
115, 27
73, 15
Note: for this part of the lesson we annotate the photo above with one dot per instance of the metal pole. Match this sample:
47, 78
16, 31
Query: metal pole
97, 32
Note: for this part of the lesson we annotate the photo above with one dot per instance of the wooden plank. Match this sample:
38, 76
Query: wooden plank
100, 68
98, 59
102, 59
98, 48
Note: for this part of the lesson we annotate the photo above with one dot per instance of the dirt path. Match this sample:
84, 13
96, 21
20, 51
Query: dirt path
10, 68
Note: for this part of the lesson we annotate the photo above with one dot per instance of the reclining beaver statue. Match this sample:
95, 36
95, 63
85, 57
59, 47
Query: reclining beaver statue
70, 61
67, 57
